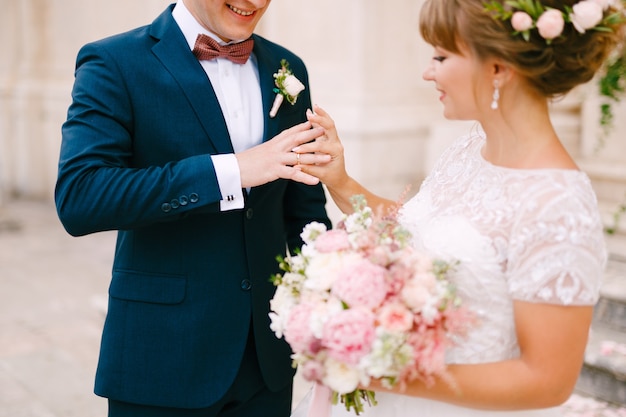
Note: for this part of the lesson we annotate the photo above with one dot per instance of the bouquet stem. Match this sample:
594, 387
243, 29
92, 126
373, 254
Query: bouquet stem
356, 400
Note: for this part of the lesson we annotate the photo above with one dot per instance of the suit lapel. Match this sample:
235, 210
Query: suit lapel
173, 52
267, 65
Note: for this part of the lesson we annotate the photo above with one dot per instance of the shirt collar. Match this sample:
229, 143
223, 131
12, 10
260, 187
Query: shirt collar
190, 26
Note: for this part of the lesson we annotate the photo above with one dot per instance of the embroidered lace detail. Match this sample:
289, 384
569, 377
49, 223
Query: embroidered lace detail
530, 235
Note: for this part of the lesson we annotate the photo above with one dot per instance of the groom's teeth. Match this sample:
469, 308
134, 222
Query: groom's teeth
239, 11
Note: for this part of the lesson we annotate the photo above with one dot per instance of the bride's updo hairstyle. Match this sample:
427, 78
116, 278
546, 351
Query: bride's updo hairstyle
553, 65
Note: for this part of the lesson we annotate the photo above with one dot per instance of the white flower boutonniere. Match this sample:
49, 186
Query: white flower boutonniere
287, 87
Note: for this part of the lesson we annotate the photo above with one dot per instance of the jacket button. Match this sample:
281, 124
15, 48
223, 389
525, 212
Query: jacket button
175, 203
166, 207
193, 197
249, 213
246, 285
184, 200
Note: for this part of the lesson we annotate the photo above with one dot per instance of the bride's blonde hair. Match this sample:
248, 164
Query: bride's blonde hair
552, 68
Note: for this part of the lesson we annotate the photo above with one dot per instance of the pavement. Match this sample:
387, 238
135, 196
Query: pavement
52, 303
53, 297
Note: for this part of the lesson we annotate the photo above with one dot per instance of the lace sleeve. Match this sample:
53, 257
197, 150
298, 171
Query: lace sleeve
557, 251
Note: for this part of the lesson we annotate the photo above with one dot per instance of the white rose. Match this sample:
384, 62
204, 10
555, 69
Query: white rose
293, 86
586, 15
340, 378
322, 271
416, 295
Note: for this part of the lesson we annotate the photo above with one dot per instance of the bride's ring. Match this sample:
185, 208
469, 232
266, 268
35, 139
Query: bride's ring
297, 158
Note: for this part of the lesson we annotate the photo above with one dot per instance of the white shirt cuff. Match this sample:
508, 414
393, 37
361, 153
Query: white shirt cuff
229, 181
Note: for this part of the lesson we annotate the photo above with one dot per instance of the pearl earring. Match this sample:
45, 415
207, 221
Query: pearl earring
496, 95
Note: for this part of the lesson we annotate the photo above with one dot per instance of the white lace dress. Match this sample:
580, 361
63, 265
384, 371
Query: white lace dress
532, 235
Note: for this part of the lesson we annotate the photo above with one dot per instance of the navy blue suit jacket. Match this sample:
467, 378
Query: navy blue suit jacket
188, 280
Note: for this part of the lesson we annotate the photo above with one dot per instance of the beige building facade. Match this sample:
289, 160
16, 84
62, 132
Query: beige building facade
365, 60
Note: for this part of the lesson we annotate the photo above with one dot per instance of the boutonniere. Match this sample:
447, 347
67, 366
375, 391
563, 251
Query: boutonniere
287, 87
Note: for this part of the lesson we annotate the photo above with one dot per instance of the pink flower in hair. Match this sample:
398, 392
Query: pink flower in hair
550, 24
521, 21
605, 4
586, 15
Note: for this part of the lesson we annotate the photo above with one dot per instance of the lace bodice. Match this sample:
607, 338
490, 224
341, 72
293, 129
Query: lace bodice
531, 235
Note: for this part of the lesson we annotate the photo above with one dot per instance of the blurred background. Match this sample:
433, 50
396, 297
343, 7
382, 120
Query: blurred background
365, 60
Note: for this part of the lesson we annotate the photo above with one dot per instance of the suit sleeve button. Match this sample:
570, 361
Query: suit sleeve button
193, 198
166, 207
175, 204
184, 200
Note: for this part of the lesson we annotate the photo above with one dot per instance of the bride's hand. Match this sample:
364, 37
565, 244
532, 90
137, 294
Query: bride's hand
332, 173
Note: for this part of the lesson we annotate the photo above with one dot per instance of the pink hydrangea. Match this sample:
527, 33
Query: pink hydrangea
361, 283
348, 335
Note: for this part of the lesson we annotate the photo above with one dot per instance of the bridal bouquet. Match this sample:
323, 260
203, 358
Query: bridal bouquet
358, 302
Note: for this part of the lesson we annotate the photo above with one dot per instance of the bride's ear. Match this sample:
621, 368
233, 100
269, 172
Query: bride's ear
501, 71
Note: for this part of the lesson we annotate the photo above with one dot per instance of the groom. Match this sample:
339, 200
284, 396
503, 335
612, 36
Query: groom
175, 153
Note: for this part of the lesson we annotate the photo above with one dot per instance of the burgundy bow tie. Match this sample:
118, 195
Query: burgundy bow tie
207, 48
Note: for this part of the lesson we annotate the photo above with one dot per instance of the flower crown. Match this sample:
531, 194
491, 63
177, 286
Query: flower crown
527, 15
598, 15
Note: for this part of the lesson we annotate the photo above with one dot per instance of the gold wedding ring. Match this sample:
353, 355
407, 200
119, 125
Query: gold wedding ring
297, 158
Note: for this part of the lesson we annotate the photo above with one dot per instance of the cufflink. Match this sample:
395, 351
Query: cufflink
230, 197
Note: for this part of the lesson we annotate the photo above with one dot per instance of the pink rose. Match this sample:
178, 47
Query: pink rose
298, 333
360, 283
332, 241
550, 24
586, 15
348, 335
521, 21
395, 317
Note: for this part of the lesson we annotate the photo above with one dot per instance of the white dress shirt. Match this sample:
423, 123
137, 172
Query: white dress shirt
238, 91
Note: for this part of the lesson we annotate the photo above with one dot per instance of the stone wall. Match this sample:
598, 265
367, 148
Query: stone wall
365, 61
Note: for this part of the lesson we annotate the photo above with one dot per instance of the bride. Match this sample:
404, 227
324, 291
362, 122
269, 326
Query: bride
507, 200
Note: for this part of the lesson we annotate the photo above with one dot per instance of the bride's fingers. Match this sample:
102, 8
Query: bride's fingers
311, 158
320, 118
319, 147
